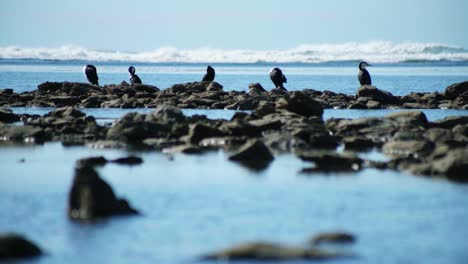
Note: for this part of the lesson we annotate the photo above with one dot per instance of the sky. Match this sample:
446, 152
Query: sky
242, 24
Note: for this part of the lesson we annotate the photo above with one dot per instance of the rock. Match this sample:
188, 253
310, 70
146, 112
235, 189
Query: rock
373, 105
145, 88
186, 149
264, 108
330, 161
414, 118
263, 251
92, 161
198, 131
333, 237
13, 246
450, 121
453, 166
214, 86
130, 160
256, 89
7, 116
251, 103
60, 101
454, 90
91, 197
66, 112
414, 148
28, 134
378, 95
299, 103
358, 143
253, 154
166, 114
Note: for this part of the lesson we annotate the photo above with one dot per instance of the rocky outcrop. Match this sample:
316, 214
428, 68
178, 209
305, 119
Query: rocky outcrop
13, 246
265, 251
91, 198
253, 154
333, 237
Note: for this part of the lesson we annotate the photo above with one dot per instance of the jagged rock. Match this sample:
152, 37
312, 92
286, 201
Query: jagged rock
450, 121
299, 103
265, 251
198, 131
91, 197
253, 154
378, 95
408, 147
130, 160
330, 162
455, 90
256, 89
166, 114
66, 112
7, 116
417, 118
23, 133
13, 246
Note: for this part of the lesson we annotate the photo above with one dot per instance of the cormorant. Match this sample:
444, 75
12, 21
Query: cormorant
278, 78
134, 79
364, 76
210, 74
91, 74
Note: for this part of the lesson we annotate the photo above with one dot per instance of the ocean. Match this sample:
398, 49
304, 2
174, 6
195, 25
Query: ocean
194, 204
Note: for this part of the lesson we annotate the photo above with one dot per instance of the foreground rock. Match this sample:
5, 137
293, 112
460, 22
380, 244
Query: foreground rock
13, 246
91, 198
265, 251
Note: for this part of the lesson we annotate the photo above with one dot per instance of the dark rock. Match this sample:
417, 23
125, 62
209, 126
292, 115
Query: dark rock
166, 114
450, 121
413, 106
60, 101
91, 197
378, 95
358, 143
214, 86
262, 251
264, 108
406, 148
92, 161
253, 154
333, 237
145, 88
299, 103
415, 118
198, 131
330, 161
251, 103
23, 133
187, 149
453, 166
454, 90
49, 87
256, 89
66, 112
13, 246
131, 160
7, 116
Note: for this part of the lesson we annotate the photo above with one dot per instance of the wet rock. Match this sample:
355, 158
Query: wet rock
60, 101
166, 114
253, 154
13, 246
66, 112
453, 166
264, 108
251, 103
145, 88
413, 106
130, 160
358, 143
187, 149
299, 103
330, 161
333, 237
92, 161
256, 89
414, 118
373, 105
378, 95
28, 134
91, 197
198, 131
406, 148
7, 116
263, 251
450, 121
455, 90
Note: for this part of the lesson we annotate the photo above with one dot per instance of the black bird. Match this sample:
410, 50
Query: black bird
91, 74
134, 79
364, 76
210, 74
278, 78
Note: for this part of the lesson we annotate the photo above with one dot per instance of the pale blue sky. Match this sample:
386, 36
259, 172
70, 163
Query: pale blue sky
244, 24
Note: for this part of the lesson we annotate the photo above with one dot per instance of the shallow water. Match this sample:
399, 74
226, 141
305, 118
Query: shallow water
192, 205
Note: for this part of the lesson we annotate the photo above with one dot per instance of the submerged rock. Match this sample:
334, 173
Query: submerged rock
253, 154
13, 246
7, 116
325, 161
91, 197
333, 237
265, 251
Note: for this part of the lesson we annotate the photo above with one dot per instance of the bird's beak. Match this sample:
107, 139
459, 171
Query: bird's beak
369, 64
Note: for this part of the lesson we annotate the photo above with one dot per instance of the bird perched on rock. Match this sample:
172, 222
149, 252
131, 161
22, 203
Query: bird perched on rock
364, 76
278, 78
91, 74
210, 74
134, 79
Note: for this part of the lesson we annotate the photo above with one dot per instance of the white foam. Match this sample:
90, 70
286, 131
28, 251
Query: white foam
374, 52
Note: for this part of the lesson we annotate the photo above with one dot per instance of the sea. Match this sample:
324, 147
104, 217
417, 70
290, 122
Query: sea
195, 204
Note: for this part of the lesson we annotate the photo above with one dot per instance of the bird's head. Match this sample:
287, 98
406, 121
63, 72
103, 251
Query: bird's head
131, 70
363, 65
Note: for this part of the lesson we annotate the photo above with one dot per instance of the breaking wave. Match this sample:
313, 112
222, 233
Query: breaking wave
376, 52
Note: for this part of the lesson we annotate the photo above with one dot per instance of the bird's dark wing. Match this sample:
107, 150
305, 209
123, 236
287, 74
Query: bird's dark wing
92, 76
364, 78
135, 79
